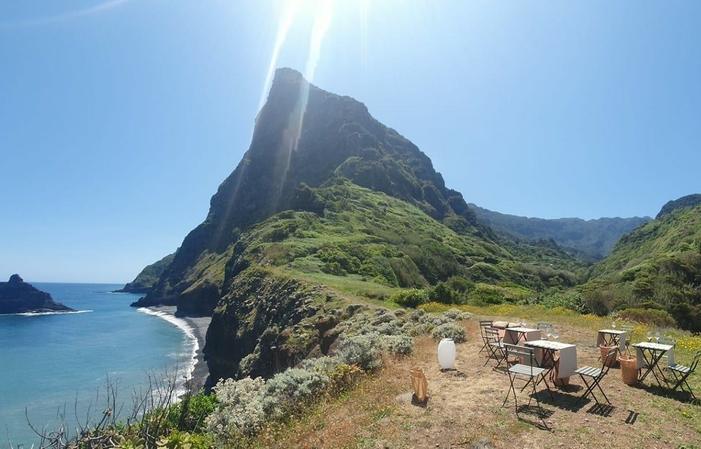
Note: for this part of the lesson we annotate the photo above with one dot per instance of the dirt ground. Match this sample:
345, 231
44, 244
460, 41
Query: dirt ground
465, 406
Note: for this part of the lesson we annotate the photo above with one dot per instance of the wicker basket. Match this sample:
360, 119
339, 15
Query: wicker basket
604, 352
629, 369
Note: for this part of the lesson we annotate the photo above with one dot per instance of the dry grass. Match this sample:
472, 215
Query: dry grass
465, 404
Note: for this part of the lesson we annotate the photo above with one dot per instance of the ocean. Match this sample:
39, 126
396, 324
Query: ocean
52, 362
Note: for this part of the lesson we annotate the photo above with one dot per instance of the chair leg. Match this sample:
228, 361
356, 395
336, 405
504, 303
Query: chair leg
680, 382
586, 392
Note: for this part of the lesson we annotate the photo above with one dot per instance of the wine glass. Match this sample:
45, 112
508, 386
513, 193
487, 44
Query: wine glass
649, 335
549, 332
657, 336
555, 334
613, 325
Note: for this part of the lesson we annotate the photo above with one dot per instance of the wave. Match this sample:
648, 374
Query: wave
189, 331
50, 313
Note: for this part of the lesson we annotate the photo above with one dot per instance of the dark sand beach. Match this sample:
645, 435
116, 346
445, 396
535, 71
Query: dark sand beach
199, 327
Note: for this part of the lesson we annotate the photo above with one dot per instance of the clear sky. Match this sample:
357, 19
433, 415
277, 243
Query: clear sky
119, 119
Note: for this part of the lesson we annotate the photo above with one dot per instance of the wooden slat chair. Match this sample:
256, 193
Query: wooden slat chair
681, 372
495, 346
528, 370
594, 376
484, 324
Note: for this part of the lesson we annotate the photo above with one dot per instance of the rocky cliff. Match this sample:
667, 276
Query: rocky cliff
17, 296
303, 138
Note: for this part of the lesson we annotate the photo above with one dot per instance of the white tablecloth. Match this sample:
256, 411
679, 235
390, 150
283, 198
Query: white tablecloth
649, 345
622, 335
568, 355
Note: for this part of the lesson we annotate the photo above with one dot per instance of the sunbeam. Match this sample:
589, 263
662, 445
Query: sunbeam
286, 21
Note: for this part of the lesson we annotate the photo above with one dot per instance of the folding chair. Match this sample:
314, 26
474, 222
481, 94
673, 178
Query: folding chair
484, 324
629, 329
681, 372
595, 375
667, 341
528, 370
495, 346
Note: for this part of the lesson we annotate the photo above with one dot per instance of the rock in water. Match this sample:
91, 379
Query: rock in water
17, 296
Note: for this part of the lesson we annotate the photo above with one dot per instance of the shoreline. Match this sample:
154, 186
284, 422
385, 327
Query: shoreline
197, 327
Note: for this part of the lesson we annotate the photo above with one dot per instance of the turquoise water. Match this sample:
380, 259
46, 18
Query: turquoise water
56, 360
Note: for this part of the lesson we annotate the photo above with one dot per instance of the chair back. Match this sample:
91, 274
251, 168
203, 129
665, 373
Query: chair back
667, 341
695, 362
484, 324
492, 334
523, 353
627, 327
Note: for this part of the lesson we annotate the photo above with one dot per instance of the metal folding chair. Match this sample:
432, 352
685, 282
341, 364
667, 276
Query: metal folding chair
595, 375
484, 324
494, 345
681, 372
528, 370
629, 329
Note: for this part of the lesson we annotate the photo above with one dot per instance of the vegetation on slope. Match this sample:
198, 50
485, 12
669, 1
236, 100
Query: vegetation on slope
589, 239
656, 266
144, 281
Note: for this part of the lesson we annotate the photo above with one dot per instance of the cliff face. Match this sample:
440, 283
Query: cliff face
144, 281
303, 136
17, 296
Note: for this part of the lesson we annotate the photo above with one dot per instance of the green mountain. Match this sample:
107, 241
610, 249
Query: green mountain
655, 266
147, 279
591, 239
330, 208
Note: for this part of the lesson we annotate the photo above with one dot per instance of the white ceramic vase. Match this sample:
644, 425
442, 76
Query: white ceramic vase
446, 353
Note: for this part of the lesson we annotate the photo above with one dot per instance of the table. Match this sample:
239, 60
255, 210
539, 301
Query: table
649, 355
514, 335
611, 337
545, 354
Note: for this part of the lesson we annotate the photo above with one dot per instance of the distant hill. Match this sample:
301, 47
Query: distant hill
591, 239
144, 281
657, 265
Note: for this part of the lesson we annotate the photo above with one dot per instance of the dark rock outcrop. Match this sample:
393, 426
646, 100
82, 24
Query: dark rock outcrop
17, 296
687, 201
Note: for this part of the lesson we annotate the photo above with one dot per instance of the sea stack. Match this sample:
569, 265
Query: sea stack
17, 296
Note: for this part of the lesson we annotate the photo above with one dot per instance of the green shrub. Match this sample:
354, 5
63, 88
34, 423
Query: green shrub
409, 298
400, 344
239, 409
654, 317
291, 388
190, 413
362, 350
449, 330
442, 293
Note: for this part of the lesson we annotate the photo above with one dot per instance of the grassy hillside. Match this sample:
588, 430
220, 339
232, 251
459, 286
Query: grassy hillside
656, 266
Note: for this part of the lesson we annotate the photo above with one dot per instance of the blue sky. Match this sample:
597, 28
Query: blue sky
119, 119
